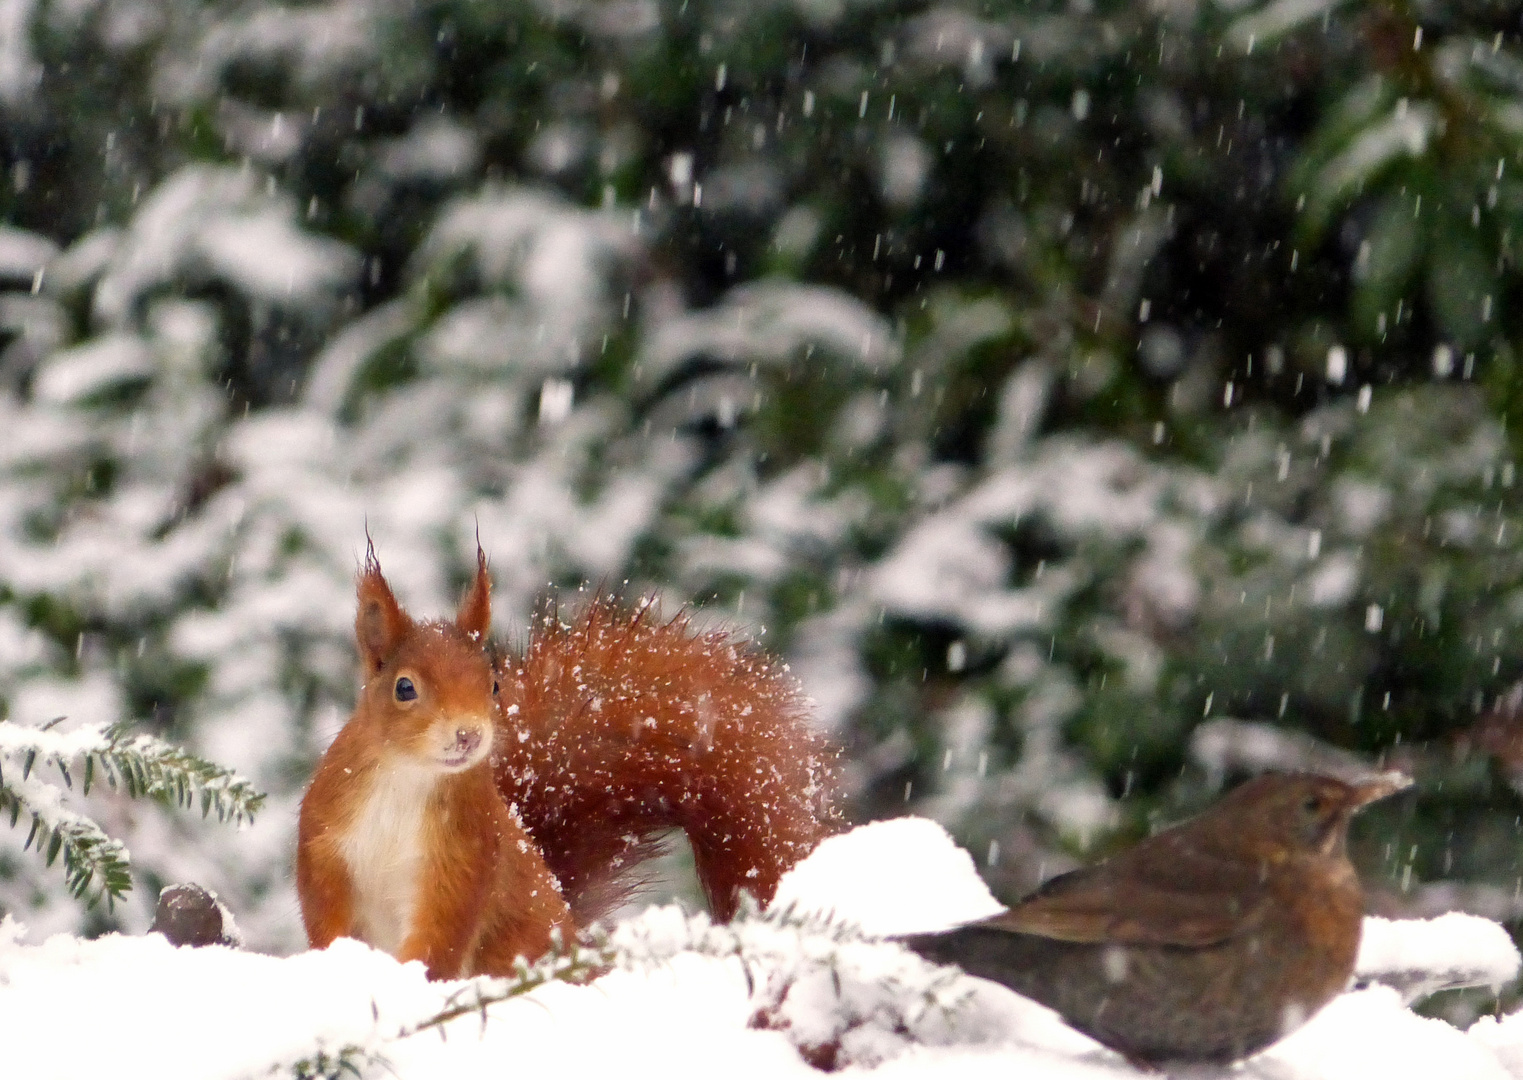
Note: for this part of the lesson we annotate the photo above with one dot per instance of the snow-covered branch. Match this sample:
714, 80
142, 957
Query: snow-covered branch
837, 994
138, 764
89, 855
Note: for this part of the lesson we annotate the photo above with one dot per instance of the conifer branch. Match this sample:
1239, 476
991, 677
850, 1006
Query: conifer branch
89, 855
777, 949
145, 765
349, 1062
140, 765
577, 962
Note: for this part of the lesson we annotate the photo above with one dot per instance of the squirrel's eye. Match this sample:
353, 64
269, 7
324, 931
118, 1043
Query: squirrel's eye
405, 690
494, 687
1312, 805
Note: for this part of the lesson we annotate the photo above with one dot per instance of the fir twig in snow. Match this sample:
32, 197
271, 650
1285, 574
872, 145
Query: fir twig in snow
347, 1062
89, 855
145, 765
839, 996
138, 764
578, 962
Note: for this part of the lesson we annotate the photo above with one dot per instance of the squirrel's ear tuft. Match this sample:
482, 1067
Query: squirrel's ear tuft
475, 614
380, 623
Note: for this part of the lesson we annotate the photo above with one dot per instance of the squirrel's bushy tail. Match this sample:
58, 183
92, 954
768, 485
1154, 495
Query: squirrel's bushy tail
618, 726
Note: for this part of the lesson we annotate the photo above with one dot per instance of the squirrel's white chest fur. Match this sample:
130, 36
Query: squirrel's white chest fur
384, 851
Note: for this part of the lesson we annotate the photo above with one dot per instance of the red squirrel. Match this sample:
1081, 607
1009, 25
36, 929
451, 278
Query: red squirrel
478, 802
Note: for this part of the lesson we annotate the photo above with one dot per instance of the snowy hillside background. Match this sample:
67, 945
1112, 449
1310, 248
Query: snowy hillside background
1093, 402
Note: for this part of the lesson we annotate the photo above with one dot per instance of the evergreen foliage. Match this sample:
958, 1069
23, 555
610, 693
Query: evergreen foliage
140, 765
1052, 382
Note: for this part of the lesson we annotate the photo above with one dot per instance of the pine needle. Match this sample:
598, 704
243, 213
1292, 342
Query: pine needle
95, 866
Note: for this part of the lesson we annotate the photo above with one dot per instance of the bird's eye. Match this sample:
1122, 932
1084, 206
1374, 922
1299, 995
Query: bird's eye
405, 690
1313, 804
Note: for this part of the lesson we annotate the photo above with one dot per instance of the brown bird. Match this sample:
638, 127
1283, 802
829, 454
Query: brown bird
1204, 943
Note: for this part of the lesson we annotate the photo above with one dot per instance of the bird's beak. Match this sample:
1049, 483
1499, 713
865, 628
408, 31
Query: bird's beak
1378, 787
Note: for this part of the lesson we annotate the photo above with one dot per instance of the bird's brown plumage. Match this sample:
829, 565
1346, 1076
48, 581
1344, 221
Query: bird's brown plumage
1206, 942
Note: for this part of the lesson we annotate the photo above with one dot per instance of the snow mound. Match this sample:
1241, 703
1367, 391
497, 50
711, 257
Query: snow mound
904, 876
1418, 957
1370, 1033
211, 1013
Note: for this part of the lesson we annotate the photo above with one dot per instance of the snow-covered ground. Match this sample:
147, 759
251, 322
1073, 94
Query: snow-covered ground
688, 998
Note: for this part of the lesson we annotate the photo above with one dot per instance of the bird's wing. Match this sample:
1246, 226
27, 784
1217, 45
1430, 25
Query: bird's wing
1175, 896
